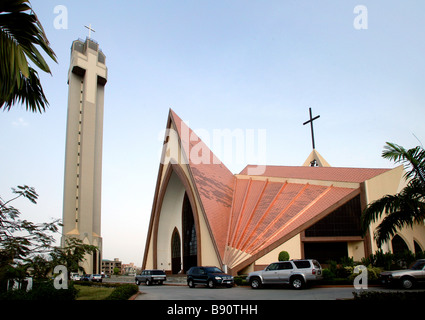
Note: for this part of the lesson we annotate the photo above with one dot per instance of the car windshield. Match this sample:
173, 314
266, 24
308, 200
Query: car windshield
213, 270
419, 265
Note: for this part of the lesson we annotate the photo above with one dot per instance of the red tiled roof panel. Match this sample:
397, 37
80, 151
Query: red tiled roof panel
288, 211
280, 208
213, 181
264, 202
283, 228
294, 199
239, 194
320, 173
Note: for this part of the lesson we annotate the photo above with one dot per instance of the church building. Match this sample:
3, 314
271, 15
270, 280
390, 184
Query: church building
203, 214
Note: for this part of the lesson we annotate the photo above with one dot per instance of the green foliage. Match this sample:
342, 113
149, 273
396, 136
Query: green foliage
389, 296
283, 256
93, 293
124, 292
240, 280
21, 241
403, 209
390, 261
42, 290
21, 33
72, 254
343, 273
98, 284
336, 271
26, 247
372, 273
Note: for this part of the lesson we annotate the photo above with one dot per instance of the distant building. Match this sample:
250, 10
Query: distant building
108, 266
128, 268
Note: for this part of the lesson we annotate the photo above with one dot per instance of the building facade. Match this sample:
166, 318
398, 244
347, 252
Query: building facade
202, 214
108, 266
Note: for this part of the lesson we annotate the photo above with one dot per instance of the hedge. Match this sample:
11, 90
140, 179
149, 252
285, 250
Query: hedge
123, 292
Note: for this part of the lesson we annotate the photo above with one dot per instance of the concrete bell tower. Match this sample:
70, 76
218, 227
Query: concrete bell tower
87, 78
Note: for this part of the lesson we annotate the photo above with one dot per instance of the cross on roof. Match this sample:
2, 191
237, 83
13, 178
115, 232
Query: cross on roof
90, 30
311, 125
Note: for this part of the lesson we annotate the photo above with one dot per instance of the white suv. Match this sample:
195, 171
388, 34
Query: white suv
294, 272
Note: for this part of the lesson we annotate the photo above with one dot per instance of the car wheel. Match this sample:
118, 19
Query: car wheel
297, 283
210, 284
255, 283
138, 282
407, 283
148, 282
191, 284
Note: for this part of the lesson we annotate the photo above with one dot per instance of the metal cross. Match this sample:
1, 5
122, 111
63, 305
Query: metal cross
90, 30
311, 124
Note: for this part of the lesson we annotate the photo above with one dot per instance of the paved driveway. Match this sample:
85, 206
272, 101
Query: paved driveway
167, 292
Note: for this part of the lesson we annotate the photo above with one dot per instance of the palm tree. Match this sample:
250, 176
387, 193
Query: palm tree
20, 34
405, 208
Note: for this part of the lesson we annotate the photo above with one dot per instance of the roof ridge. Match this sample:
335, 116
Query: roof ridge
337, 174
213, 182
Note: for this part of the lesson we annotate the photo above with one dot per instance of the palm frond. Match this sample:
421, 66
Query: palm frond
21, 34
391, 224
413, 160
375, 210
401, 210
30, 93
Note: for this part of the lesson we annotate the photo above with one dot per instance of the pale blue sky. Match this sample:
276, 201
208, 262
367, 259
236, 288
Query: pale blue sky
221, 65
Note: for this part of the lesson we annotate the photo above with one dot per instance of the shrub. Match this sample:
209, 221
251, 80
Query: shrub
97, 284
123, 292
240, 280
390, 261
328, 274
389, 296
283, 256
337, 270
372, 273
42, 290
46, 291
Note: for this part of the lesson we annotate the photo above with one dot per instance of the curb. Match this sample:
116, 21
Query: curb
134, 296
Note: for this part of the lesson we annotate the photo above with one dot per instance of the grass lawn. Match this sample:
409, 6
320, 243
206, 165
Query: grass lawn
93, 293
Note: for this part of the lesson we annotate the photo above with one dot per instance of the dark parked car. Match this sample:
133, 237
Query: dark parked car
150, 277
209, 276
406, 278
85, 277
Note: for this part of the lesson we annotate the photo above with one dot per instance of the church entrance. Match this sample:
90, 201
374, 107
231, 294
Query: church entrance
176, 259
190, 245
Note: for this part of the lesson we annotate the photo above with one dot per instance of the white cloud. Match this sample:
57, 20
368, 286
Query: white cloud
20, 123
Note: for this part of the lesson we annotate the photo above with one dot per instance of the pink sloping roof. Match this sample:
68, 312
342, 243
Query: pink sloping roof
213, 181
324, 201
265, 211
320, 173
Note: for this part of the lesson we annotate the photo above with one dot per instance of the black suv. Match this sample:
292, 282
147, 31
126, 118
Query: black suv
150, 277
209, 276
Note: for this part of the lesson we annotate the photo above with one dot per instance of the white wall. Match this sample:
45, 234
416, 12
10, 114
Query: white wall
170, 217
